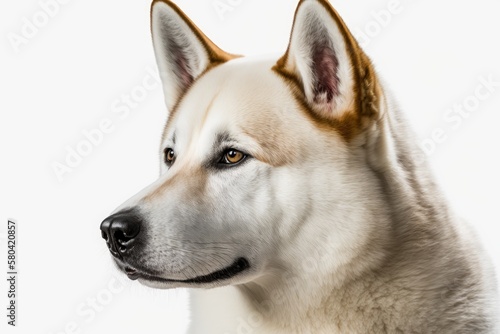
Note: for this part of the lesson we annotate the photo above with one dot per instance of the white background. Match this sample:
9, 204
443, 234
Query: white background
66, 78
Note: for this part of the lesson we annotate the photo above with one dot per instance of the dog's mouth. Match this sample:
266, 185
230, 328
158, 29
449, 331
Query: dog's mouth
240, 265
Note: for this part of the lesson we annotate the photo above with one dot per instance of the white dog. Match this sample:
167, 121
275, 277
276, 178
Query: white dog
293, 193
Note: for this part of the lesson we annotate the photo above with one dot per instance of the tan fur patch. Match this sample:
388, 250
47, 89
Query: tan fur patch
193, 181
274, 150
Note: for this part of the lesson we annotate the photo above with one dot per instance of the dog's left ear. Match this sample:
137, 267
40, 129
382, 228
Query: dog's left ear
335, 77
182, 51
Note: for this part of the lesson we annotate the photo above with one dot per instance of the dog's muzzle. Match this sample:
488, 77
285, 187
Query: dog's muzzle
121, 231
126, 230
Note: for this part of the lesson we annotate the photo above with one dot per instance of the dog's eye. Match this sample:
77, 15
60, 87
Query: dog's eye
169, 156
232, 157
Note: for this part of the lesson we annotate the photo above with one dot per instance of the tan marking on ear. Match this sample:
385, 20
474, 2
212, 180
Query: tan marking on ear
215, 54
366, 89
192, 180
348, 125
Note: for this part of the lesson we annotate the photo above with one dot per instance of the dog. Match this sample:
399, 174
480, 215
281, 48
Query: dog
293, 197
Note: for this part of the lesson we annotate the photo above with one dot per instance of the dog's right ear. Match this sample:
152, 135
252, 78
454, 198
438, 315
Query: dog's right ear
182, 51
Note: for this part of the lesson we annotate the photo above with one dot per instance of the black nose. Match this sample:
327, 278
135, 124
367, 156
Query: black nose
120, 232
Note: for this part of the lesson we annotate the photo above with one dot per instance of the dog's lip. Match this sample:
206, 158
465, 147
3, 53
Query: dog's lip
241, 264
132, 273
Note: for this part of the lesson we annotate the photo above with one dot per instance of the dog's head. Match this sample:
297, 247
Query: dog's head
260, 158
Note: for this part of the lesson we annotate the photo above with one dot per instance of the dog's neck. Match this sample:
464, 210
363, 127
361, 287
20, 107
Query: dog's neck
355, 285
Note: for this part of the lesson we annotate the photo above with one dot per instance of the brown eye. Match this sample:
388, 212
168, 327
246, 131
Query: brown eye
169, 156
232, 157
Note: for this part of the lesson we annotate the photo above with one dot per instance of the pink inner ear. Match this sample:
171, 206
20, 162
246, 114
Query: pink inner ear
182, 69
325, 69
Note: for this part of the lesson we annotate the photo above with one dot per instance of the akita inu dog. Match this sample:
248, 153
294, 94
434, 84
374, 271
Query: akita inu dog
293, 193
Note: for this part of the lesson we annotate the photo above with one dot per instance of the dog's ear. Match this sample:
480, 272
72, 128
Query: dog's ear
334, 76
182, 51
